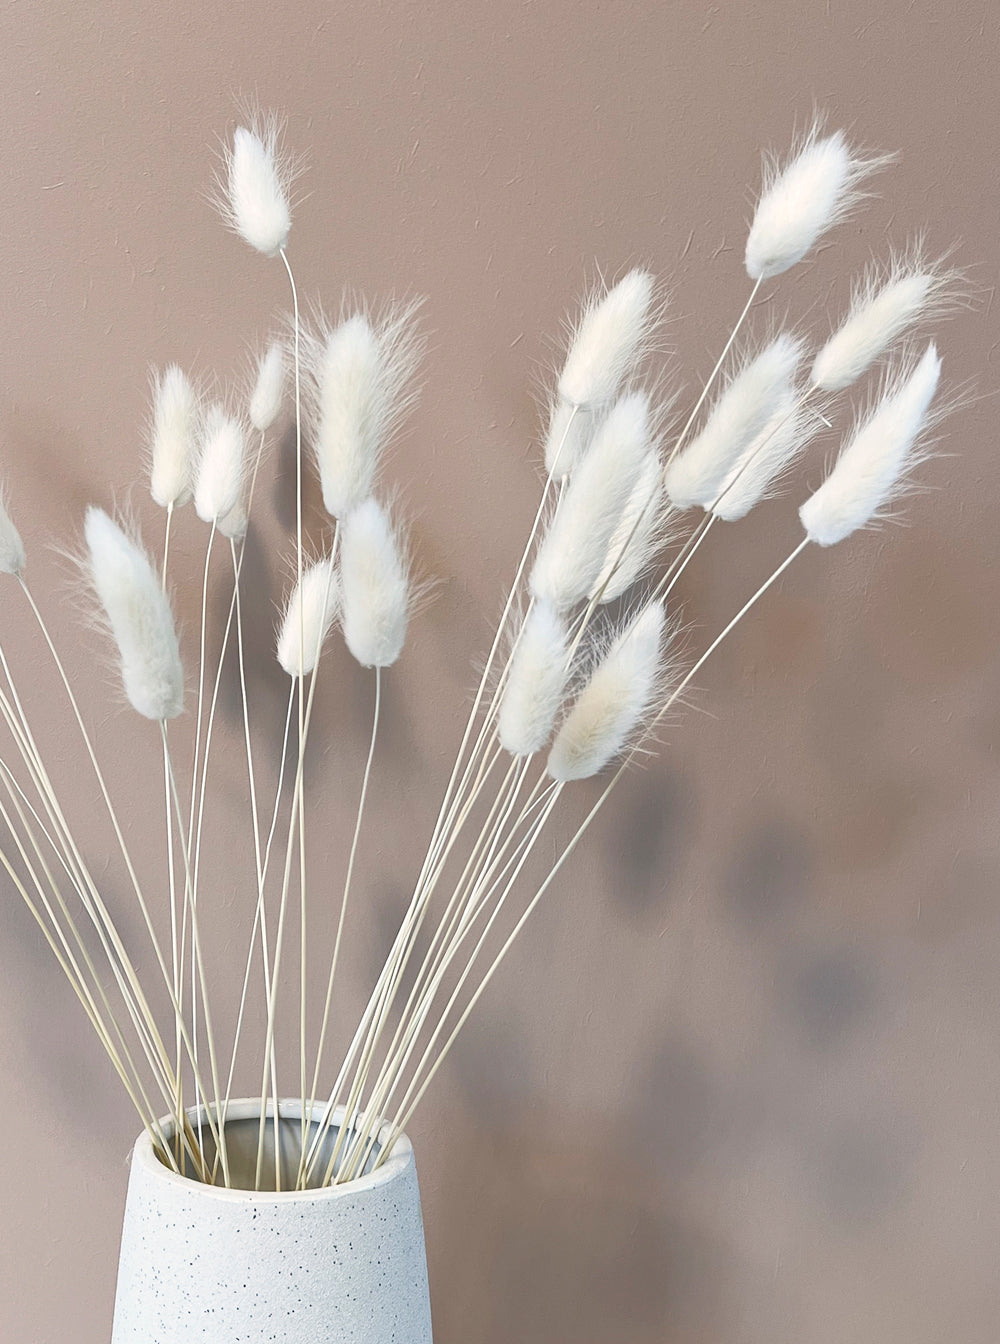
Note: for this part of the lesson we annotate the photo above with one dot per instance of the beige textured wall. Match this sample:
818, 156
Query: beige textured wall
741, 1082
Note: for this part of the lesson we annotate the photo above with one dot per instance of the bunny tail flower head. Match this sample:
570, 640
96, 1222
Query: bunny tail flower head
172, 437
611, 705
765, 460
615, 331
871, 469
12, 557
309, 614
815, 190
575, 546
269, 389
534, 689
375, 586
569, 433
257, 182
749, 401
613, 334
360, 374
883, 306
642, 532
139, 617
235, 523
221, 464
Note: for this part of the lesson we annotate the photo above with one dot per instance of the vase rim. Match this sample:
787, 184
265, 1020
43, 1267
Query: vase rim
248, 1108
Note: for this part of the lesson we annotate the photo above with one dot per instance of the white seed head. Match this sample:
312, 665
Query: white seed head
613, 702
172, 437
570, 431
360, 374
375, 586
575, 546
138, 614
12, 557
611, 337
802, 200
534, 688
765, 460
309, 613
269, 389
640, 535
882, 308
234, 525
221, 464
870, 471
750, 399
257, 186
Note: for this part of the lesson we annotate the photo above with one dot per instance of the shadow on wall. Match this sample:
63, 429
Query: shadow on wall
579, 1245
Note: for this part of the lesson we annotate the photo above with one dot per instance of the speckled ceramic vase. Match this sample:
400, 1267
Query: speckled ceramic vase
203, 1265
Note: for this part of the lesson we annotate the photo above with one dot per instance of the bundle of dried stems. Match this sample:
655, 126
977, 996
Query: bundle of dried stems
583, 667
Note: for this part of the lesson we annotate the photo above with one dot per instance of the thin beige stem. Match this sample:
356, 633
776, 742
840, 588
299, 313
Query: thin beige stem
346, 893
402, 1120
407, 1106
219, 1132
490, 875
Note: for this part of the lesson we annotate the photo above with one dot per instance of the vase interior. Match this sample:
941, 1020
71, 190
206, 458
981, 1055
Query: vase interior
242, 1132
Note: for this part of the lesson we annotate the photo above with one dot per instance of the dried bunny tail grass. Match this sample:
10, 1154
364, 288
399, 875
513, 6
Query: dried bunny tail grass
575, 547
758, 473
376, 592
642, 532
615, 331
138, 615
815, 189
611, 706
253, 190
12, 556
749, 400
269, 389
235, 523
172, 436
888, 301
871, 469
360, 375
310, 612
570, 431
221, 464
536, 682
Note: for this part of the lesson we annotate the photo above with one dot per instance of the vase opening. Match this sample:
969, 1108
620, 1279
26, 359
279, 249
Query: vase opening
242, 1130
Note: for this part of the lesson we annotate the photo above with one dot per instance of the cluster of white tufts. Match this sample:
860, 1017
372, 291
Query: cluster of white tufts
581, 668
618, 503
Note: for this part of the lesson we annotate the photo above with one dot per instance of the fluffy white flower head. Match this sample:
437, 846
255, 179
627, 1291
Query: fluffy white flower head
815, 190
888, 301
612, 336
172, 437
575, 546
870, 470
221, 464
257, 182
750, 399
309, 614
269, 389
138, 614
360, 374
375, 588
12, 557
613, 702
535, 683
640, 534
765, 460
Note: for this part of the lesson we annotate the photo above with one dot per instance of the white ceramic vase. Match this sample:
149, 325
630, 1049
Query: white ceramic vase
204, 1265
